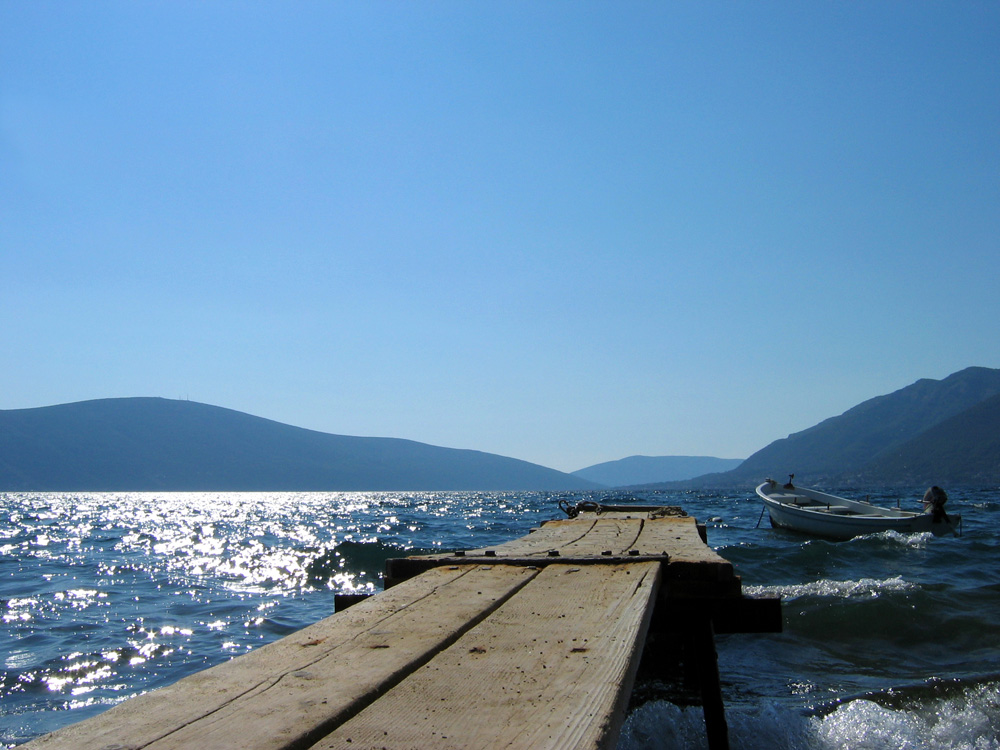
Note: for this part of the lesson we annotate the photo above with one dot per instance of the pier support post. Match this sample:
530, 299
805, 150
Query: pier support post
707, 658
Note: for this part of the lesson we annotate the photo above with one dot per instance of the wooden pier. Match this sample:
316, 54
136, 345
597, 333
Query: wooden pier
530, 644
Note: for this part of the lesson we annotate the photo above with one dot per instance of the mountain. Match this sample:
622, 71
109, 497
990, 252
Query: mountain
161, 444
649, 469
965, 450
912, 425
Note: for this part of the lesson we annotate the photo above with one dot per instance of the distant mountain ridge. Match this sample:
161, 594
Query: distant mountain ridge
636, 470
943, 432
933, 431
162, 444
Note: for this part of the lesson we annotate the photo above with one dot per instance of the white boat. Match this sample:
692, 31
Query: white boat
822, 514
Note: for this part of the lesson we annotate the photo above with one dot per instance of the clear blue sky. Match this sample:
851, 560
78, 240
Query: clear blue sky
566, 232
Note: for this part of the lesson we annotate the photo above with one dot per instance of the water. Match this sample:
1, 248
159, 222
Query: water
890, 641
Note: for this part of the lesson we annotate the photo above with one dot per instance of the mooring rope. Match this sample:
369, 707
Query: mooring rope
586, 506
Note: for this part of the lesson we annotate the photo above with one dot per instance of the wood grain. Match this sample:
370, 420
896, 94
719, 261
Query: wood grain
552, 668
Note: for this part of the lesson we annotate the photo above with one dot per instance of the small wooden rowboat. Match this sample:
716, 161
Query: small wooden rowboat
814, 512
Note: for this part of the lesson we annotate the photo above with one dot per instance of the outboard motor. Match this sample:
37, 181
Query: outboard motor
934, 500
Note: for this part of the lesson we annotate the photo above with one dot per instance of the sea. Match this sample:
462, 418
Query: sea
889, 640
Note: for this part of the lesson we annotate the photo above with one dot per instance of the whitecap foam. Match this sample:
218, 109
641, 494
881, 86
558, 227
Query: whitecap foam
916, 541
862, 588
970, 721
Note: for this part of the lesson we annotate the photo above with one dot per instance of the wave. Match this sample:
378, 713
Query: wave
862, 588
954, 715
914, 696
943, 715
354, 559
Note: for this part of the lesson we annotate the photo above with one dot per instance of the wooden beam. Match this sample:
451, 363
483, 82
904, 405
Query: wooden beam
728, 614
716, 728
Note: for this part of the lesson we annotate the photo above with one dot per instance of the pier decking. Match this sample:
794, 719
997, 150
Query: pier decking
530, 644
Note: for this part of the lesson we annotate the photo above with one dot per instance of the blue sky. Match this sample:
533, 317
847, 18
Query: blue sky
566, 232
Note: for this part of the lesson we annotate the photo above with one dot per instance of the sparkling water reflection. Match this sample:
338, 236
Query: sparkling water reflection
106, 595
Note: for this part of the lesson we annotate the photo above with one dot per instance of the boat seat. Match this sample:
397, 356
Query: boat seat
793, 499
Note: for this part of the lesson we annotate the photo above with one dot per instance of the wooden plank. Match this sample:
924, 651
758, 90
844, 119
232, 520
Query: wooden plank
291, 692
614, 535
550, 535
679, 537
532, 549
588, 538
552, 668
583, 537
691, 560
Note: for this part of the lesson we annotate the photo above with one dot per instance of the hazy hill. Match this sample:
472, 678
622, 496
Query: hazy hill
160, 444
882, 432
649, 469
964, 449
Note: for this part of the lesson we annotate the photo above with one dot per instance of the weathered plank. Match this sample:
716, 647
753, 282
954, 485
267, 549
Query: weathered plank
550, 535
290, 692
608, 538
608, 535
690, 559
551, 668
